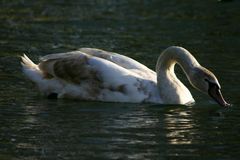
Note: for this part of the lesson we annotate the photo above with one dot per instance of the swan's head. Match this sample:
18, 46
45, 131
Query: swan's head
205, 81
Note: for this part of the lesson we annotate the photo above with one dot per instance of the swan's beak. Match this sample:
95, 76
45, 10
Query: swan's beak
216, 94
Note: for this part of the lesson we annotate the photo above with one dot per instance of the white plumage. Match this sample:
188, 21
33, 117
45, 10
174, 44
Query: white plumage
98, 75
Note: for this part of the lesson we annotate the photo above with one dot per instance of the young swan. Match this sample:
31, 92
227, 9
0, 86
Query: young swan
199, 77
97, 75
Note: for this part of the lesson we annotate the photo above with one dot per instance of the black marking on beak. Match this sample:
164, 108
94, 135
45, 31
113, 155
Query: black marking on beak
215, 93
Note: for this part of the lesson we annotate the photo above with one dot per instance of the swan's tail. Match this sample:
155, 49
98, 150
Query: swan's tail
30, 69
26, 62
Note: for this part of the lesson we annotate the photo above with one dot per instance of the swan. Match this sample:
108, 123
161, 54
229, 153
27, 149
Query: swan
98, 75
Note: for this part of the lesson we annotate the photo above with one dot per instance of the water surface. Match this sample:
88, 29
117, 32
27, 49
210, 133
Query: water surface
33, 127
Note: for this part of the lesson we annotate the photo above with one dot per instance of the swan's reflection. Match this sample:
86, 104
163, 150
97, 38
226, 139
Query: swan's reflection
124, 131
180, 126
175, 126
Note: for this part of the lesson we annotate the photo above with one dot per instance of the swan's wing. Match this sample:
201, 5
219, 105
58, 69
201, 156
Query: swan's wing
72, 66
77, 66
94, 78
118, 59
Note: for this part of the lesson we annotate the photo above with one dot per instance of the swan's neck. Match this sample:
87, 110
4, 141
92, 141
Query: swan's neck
171, 89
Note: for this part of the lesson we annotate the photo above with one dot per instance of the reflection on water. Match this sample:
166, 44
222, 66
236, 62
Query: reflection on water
181, 126
33, 127
71, 129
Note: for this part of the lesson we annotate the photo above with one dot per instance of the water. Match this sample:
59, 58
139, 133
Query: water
33, 127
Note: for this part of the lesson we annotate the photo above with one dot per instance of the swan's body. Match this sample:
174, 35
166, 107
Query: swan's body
97, 75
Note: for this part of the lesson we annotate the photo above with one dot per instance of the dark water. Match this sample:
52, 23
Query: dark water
32, 127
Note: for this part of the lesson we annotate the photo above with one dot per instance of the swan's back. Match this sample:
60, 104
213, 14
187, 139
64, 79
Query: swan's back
122, 61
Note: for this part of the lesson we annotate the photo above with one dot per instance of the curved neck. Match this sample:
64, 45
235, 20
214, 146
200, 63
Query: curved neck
170, 87
173, 55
